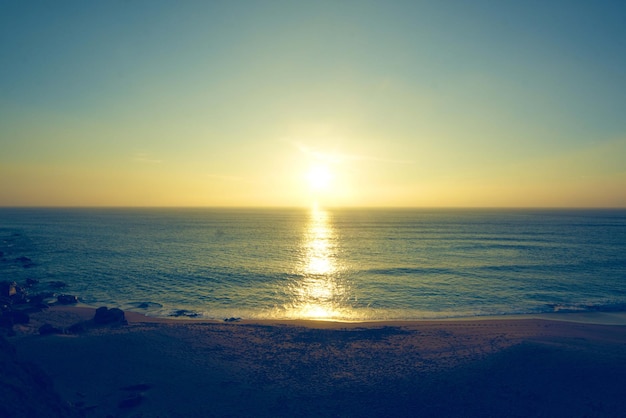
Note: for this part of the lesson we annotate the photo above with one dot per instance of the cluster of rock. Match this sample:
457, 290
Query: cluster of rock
25, 390
16, 305
18, 301
103, 316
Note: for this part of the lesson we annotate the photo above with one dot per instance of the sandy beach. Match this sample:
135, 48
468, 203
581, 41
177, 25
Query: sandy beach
182, 368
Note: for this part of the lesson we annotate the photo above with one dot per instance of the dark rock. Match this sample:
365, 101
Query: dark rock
14, 292
20, 297
67, 299
101, 314
8, 289
109, 316
147, 305
117, 314
130, 402
47, 329
232, 319
185, 312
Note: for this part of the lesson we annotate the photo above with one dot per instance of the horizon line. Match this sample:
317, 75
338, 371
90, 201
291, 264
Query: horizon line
308, 207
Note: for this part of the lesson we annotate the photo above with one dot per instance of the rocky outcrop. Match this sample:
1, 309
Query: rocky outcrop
232, 319
185, 313
67, 299
15, 305
105, 316
17, 301
12, 293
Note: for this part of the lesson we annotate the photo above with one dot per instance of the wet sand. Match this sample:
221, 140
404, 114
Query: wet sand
471, 368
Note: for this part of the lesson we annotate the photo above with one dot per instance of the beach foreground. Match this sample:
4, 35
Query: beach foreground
171, 368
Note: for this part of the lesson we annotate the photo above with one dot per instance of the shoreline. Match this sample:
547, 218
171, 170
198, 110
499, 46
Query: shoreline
161, 367
598, 318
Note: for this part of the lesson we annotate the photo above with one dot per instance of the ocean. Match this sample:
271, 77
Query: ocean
335, 264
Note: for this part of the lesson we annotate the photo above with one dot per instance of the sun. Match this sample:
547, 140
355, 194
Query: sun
319, 178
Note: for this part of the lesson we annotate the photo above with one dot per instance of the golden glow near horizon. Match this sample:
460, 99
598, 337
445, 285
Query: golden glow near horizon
345, 103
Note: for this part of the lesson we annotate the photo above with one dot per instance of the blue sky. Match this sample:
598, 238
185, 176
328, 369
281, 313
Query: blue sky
235, 103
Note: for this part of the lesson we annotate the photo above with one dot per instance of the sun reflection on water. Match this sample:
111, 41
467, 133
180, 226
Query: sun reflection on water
318, 292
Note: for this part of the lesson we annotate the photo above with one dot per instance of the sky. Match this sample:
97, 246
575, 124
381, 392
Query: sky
289, 103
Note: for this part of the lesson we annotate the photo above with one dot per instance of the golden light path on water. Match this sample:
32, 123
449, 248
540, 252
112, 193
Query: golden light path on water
319, 292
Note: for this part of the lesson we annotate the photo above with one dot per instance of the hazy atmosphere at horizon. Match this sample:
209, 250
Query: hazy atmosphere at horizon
279, 103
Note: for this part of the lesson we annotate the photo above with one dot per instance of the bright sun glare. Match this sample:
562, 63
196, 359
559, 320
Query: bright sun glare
319, 177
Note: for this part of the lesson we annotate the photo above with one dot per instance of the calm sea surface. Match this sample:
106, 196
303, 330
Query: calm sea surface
325, 264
